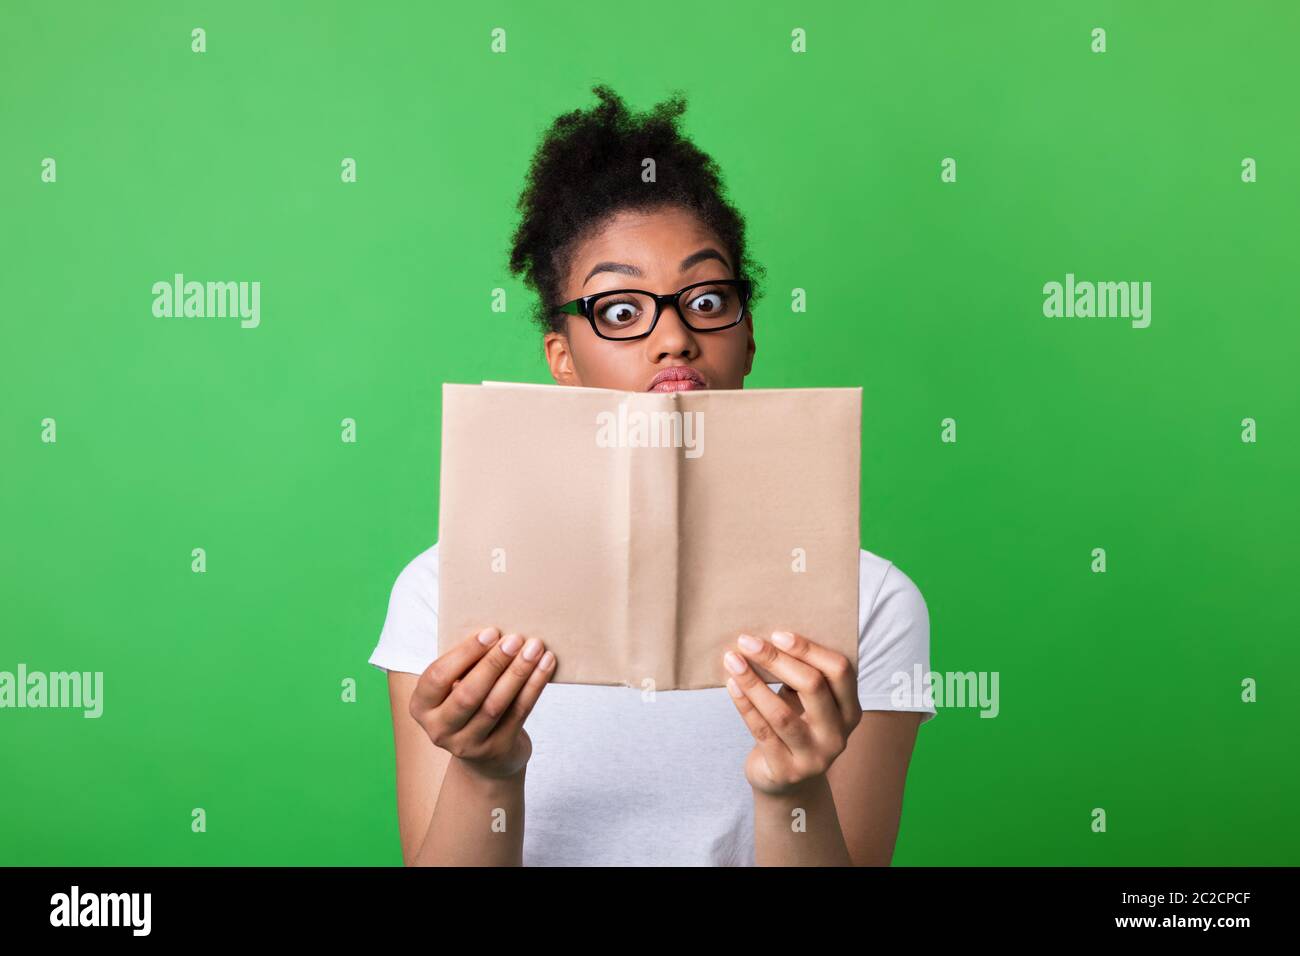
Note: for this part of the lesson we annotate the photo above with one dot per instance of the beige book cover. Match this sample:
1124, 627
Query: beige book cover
639, 533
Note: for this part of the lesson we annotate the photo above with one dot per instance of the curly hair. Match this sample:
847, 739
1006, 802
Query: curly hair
588, 167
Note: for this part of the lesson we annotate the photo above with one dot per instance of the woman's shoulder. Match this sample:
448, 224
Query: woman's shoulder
409, 639
882, 582
421, 569
893, 635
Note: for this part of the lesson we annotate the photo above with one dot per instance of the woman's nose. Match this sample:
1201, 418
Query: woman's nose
671, 336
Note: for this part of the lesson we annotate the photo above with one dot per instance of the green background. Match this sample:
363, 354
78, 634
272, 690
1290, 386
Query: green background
222, 690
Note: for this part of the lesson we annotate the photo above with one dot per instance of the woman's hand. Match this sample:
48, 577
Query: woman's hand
472, 700
802, 728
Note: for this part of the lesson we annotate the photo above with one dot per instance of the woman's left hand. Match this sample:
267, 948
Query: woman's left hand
802, 728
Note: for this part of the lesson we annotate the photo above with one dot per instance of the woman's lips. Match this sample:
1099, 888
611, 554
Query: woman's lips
679, 378
678, 385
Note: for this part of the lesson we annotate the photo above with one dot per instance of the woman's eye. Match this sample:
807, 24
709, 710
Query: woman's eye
618, 313
708, 303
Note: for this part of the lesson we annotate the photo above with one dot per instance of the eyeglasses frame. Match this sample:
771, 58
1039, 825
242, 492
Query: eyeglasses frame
582, 306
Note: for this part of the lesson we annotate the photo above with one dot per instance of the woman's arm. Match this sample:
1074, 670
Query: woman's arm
850, 814
462, 751
818, 755
868, 780
445, 810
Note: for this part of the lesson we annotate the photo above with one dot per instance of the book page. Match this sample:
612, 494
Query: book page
638, 534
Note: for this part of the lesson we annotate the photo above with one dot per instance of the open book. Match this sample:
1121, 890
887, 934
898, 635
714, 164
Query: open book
639, 533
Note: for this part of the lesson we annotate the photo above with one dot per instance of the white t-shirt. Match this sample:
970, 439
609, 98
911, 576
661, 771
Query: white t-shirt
615, 780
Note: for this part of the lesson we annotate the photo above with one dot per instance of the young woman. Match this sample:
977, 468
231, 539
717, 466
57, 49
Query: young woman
741, 775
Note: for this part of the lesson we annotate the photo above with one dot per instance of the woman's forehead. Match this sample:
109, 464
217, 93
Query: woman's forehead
648, 241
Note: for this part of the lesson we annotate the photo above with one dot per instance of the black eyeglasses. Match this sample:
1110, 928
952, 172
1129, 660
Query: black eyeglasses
623, 314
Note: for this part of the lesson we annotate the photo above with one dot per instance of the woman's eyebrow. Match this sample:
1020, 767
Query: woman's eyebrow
625, 269
694, 257
622, 267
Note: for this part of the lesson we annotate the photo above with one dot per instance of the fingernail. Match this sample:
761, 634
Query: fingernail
547, 660
511, 643
783, 639
751, 644
734, 689
733, 662
532, 649
488, 635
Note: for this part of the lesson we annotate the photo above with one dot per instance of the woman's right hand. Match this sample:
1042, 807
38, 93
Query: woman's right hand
472, 701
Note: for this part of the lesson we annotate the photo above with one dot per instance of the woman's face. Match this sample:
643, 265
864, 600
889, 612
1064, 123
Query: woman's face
645, 250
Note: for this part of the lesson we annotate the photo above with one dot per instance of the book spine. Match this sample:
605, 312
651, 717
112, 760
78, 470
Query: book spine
653, 543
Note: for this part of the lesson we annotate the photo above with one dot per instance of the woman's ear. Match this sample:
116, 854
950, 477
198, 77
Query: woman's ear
751, 346
560, 359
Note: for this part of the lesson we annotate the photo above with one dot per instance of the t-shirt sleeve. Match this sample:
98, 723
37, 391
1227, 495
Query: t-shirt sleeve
894, 649
409, 639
